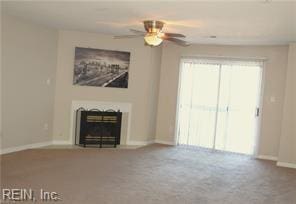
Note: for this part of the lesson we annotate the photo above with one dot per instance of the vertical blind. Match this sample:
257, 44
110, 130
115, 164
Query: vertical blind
217, 103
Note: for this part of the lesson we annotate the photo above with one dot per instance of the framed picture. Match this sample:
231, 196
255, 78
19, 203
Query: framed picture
103, 68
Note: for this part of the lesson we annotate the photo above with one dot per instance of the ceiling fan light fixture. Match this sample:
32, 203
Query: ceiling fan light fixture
152, 39
154, 36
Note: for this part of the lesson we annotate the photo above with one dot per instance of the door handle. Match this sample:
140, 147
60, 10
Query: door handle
257, 112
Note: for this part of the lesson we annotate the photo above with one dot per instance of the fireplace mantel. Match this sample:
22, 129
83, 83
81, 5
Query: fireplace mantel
101, 105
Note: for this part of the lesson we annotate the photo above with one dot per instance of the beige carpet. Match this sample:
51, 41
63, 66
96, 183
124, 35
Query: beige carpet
152, 174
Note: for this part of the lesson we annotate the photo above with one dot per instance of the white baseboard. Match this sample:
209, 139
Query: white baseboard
140, 143
286, 164
164, 142
267, 157
143, 143
24, 147
61, 142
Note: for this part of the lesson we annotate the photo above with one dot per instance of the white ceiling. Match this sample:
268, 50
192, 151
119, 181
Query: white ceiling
233, 23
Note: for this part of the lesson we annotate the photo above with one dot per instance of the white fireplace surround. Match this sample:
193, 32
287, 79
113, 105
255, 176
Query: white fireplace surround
101, 105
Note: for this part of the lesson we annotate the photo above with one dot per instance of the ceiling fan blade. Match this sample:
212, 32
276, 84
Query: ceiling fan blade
127, 36
174, 35
178, 41
137, 31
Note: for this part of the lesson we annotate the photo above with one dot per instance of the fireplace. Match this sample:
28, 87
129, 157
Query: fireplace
98, 128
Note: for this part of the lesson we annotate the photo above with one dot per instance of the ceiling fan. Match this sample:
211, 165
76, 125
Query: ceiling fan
154, 35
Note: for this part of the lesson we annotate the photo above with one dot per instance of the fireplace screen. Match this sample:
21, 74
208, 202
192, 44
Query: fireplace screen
100, 128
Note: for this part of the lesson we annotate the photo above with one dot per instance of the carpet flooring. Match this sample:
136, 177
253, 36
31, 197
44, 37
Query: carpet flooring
154, 174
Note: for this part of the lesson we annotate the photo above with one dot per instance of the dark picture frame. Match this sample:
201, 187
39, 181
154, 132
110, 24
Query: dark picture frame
101, 68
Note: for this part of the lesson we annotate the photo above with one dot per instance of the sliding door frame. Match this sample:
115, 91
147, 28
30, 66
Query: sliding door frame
258, 129
217, 106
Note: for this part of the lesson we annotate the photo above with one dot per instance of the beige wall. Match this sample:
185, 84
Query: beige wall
275, 74
28, 59
287, 151
143, 83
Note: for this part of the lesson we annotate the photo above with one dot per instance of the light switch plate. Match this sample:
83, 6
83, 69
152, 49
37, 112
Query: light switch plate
272, 99
48, 81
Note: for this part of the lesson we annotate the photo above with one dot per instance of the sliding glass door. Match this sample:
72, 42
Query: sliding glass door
218, 104
198, 103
